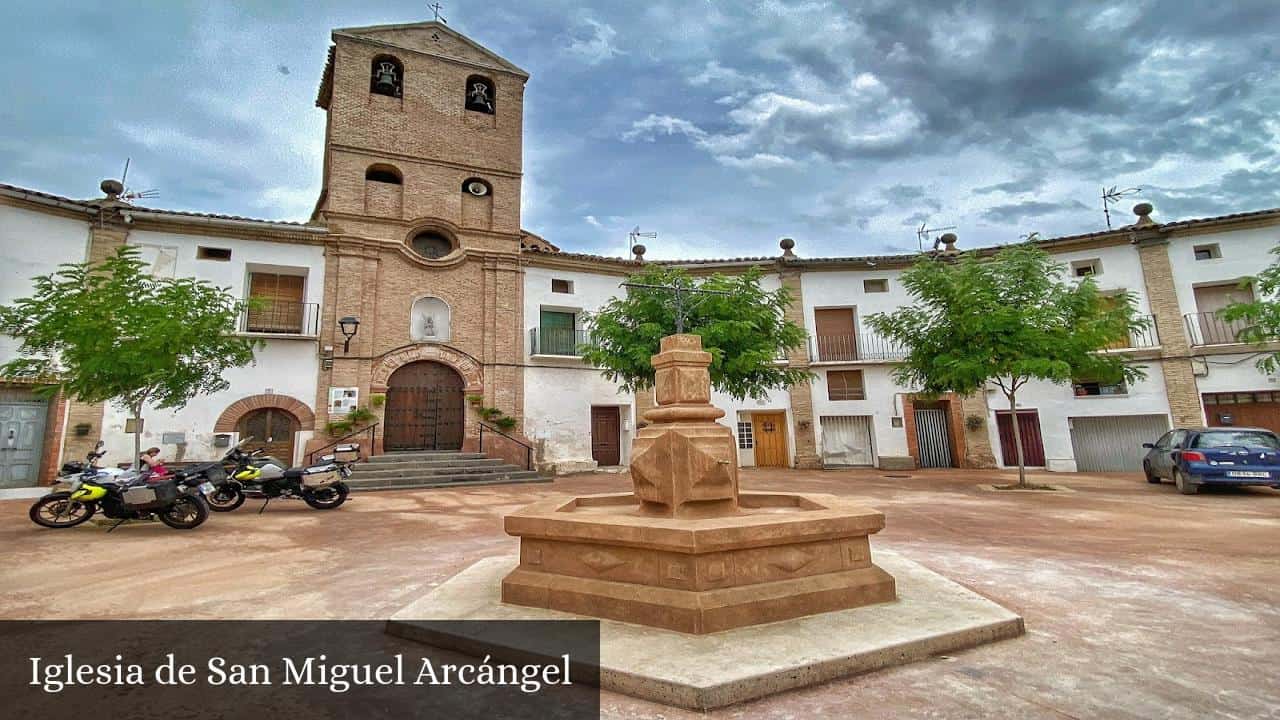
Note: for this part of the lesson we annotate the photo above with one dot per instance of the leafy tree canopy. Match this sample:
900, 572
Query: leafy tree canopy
1007, 320
111, 331
1259, 321
745, 330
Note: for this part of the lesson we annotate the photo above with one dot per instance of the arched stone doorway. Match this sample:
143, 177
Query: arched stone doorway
273, 430
425, 408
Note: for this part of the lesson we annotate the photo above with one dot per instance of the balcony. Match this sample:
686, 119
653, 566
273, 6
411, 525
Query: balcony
556, 341
1144, 338
1209, 328
280, 317
855, 348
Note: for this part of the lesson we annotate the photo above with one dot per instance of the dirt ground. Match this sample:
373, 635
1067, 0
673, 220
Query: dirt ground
1139, 602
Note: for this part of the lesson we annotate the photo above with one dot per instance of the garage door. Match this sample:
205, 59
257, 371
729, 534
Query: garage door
1113, 443
846, 440
1243, 409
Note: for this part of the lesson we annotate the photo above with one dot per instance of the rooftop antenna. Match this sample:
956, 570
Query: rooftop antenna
633, 238
1111, 195
128, 195
436, 10
924, 234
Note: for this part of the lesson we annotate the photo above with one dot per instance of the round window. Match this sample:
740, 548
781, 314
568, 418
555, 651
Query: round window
432, 245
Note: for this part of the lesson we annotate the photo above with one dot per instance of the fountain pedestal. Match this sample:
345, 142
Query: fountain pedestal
687, 551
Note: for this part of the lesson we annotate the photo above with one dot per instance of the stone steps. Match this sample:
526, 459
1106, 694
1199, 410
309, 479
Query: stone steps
428, 469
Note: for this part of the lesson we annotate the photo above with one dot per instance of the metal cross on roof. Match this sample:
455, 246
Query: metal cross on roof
436, 9
682, 304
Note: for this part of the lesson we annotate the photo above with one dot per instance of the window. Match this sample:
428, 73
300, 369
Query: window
212, 253
845, 385
876, 285
1208, 252
383, 174
746, 440
557, 333
386, 76
1089, 388
275, 303
561, 286
480, 95
1229, 438
432, 245
1085, 268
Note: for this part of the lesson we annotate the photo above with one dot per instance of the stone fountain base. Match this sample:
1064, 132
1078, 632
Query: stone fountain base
781, 556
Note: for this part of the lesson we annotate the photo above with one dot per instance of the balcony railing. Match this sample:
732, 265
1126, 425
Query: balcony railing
280, 317
1209, 328
1145, 338
556, 341
853, 348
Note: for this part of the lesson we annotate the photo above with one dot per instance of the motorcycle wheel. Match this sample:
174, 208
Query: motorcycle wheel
58, 510
186, 513
226, 497
326, 498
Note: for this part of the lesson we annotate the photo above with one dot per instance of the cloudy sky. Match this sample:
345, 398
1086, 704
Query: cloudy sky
721, 125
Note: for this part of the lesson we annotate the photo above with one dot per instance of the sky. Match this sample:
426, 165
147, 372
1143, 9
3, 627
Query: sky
722, 126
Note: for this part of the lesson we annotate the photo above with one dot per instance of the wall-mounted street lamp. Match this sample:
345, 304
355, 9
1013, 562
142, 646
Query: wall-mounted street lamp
349, 327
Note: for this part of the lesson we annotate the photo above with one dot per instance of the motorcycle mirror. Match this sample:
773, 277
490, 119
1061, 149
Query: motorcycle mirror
100, 444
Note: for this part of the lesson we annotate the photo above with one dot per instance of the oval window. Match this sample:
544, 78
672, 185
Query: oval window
432, 245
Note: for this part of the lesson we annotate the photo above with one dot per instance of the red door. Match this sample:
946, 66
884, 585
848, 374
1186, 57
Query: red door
1032, 444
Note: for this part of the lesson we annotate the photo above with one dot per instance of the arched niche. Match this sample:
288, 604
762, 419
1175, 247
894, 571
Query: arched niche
430, 320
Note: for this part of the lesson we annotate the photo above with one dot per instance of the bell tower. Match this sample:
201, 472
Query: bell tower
421, 195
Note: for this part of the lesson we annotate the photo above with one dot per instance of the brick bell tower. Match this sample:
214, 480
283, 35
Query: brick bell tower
421, 195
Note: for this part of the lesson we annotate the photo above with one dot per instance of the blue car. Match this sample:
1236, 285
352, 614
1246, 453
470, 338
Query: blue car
1195, 457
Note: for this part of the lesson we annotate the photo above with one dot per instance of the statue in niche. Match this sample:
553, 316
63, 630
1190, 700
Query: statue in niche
429, 327
429, 320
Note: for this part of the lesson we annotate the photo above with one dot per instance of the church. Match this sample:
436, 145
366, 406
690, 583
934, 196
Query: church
414, 295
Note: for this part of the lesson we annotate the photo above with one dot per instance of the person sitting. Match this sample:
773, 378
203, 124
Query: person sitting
153, 465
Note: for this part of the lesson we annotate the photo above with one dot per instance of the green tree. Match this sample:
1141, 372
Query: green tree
1259, 321
110, 331
745, 330
1006, 320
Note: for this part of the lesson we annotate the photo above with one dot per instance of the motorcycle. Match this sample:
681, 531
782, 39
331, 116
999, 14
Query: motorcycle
256, 475
177, 500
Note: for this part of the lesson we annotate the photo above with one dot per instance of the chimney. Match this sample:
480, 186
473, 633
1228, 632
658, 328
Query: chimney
638, 251
787, 244
112, 189
1143, 211
948, 241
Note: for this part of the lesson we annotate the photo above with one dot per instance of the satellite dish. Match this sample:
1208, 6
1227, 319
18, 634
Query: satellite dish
477, 188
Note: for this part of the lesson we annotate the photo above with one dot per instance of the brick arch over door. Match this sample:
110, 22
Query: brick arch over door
465, 365
238, 409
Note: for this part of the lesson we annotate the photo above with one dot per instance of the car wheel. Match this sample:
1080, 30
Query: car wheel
1185, 486
1146, 470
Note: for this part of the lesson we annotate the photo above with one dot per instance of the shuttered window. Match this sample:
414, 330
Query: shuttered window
275, 303
845, 385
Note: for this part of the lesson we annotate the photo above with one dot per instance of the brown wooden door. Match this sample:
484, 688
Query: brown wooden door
1255, 409
273, 431
424, 408
837, 339
770, 430
1032, 444
606, 426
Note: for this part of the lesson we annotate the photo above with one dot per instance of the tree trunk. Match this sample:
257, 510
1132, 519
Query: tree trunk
1017, 440
137, 436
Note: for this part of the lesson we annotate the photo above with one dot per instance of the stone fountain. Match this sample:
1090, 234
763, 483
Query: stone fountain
687, 551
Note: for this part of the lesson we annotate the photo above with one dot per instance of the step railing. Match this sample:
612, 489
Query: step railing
528, 449
367, 450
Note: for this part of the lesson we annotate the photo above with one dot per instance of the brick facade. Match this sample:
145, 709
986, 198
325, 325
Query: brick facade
807, 456
1175, 366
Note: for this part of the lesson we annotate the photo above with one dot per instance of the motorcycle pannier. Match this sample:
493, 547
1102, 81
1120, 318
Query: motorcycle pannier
320, 476
146, 497
346, 453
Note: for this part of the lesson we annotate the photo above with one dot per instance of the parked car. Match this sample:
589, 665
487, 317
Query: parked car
1194, 457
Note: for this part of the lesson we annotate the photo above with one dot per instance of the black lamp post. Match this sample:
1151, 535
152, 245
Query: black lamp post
349, 326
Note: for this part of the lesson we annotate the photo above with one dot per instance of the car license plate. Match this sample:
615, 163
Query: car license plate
1248, 473
206, 488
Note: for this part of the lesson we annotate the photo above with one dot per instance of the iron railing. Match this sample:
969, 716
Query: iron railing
1209, 328
556, 341
528, 449
280, 317
851, 348
1144, 338
365, 451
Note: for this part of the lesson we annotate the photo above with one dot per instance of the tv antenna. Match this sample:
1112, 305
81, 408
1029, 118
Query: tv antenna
633, 238
128, 195
925, 234
1110, 196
